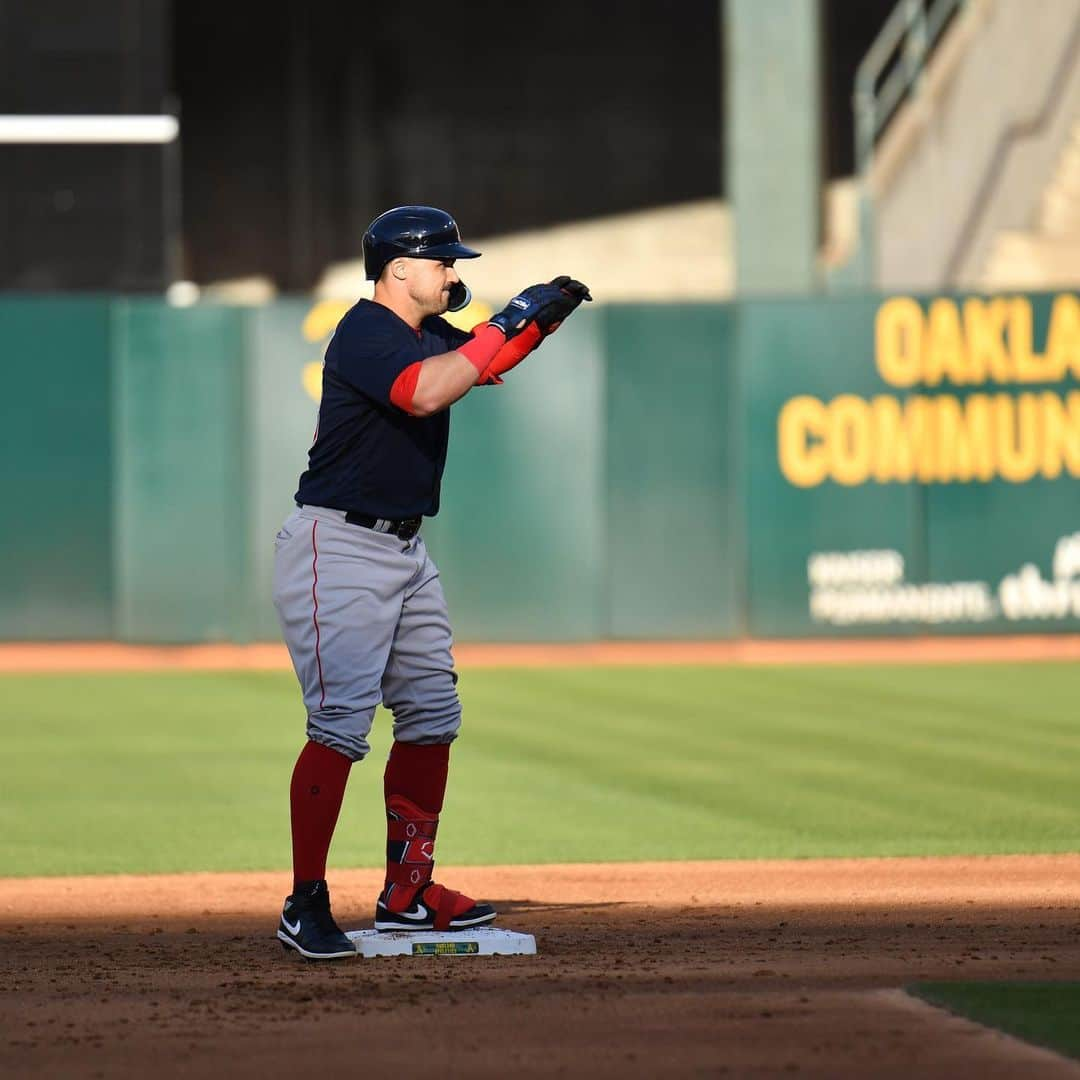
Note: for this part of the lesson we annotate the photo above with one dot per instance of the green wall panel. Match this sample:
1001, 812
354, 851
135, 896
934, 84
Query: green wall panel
965, 540
181, 511
518, 538
820, 349
987, 533
56, 470
671, 563
282, 415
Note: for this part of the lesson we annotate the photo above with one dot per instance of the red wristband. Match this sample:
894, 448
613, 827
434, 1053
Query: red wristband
481, 350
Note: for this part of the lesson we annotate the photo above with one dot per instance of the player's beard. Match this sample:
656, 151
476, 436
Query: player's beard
443, 302
434, 303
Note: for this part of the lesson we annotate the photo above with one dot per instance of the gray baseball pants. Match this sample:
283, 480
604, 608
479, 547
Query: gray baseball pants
365, 620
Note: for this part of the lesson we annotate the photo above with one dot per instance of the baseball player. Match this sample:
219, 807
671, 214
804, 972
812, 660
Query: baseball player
359, 599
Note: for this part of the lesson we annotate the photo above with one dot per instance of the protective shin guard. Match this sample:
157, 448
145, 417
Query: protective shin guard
410, 851
410, 861
413, 785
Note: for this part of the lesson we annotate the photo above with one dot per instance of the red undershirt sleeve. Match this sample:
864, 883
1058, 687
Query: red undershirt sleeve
512, 353
404, 387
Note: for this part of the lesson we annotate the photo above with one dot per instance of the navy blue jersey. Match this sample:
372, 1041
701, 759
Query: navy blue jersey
369, 456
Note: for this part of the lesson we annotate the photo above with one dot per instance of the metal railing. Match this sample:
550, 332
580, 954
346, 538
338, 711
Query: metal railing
893, 67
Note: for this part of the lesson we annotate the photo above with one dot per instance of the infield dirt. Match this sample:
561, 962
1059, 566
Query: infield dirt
646, 969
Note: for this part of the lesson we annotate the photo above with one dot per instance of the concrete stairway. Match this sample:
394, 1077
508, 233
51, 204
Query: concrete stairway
962, 167
1046, 256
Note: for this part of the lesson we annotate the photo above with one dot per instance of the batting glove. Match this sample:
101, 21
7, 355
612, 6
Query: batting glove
525, 307
550, 318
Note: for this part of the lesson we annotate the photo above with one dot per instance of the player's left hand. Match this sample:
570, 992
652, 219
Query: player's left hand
577, 289
551, 316
546, 305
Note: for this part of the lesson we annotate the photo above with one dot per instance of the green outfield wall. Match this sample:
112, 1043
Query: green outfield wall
912, 464
861, 465
56, 533
671, 509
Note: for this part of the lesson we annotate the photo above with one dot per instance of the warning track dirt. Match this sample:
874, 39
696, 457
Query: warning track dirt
29, 657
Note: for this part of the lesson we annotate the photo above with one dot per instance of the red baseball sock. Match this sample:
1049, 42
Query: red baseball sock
418, 773
318, 786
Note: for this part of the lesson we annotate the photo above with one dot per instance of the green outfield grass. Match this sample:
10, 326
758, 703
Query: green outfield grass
1044, 1013
112, 773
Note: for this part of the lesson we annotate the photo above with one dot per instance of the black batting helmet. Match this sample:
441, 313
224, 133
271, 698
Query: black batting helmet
418, 232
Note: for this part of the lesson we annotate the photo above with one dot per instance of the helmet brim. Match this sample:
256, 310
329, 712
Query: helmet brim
451, 250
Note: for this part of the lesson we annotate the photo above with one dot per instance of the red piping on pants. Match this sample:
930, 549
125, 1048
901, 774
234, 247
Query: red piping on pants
315, 612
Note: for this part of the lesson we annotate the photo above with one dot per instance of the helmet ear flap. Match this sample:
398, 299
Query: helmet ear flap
460, 296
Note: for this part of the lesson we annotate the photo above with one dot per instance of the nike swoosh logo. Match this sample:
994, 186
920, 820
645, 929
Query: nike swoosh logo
293, 928
416, 914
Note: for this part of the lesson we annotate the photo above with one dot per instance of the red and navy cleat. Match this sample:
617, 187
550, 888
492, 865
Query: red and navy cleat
410, 900
434, 907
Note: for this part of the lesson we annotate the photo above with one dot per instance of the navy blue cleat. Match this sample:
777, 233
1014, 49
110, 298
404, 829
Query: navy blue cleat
308, 926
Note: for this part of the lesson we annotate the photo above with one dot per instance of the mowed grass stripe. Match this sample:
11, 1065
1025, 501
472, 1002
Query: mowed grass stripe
817, 766
190, 771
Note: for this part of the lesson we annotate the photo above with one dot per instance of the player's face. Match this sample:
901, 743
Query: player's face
429, 284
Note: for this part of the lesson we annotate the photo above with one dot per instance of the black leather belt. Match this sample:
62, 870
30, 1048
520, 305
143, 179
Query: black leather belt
403, 528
